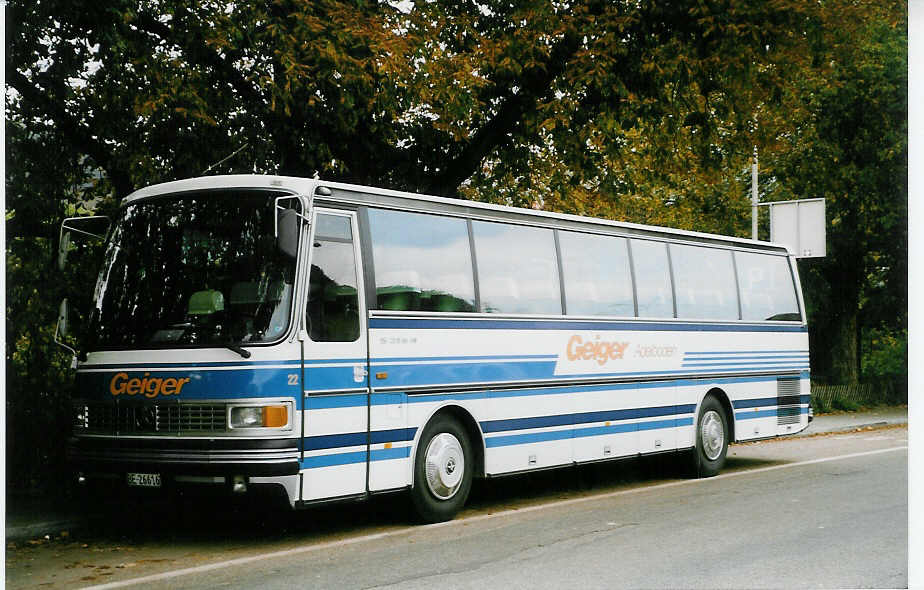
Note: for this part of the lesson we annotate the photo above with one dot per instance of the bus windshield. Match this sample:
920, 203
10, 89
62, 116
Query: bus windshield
198, 269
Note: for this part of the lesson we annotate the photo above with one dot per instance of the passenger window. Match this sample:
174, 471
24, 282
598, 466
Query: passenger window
652, 279
768, 291
596, 275
422, 262
333, 302
704, 280
517, 269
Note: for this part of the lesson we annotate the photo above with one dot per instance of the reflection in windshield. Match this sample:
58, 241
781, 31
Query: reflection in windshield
196, 270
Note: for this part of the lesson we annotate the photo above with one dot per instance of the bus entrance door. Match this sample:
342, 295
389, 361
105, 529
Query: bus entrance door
335, 360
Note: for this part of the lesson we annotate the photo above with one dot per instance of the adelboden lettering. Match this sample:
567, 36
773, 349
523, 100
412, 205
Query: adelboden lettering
147, 386
600, 350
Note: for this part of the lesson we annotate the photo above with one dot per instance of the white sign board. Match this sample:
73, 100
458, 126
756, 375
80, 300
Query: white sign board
799, 225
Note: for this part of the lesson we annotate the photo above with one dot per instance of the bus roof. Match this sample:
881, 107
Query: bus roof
360, 194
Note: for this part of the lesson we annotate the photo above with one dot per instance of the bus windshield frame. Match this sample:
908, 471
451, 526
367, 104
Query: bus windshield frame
195, 270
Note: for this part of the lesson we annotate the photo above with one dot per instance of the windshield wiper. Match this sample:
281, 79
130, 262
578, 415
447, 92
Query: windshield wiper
241, 351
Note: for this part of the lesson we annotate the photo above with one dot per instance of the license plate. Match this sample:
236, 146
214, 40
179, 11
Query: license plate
143, 480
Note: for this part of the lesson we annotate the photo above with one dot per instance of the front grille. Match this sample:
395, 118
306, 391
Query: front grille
788, 408
154, 418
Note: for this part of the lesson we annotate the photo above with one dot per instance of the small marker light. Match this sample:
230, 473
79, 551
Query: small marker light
275, 416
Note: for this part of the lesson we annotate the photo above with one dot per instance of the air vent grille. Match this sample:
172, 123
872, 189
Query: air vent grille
788, 408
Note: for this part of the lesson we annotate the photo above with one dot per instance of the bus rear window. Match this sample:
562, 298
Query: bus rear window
767, 288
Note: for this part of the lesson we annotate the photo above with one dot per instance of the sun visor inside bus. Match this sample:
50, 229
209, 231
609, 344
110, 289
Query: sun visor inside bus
206, 302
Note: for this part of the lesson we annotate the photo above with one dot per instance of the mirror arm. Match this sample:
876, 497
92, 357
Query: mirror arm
276, 207
65, 226
65, 346
86, 233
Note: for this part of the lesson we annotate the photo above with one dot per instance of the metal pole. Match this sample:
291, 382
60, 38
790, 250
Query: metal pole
754, 198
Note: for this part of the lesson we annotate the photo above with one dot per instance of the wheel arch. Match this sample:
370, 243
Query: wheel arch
471, 427
719, 394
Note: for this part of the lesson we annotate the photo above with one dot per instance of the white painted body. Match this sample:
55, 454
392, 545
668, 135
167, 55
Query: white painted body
361, 407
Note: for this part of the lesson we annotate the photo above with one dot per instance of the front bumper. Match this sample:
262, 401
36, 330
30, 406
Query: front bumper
187, 456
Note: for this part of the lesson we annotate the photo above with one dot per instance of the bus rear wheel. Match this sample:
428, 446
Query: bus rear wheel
442, 470
711, 439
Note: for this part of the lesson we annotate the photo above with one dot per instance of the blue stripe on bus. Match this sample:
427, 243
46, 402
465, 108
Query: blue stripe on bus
766, 401
464, 373
763, 414
740, 352
320, 402
355, 457
246, 383
583, 418
353, 439
499, 357
218, 364
482, 324
786, 357
534, 437
339, 362
787, 362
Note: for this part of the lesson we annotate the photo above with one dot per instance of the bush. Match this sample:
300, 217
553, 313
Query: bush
885, 353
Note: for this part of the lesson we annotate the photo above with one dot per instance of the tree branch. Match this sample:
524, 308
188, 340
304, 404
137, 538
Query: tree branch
536, 84
79, 136
199, 53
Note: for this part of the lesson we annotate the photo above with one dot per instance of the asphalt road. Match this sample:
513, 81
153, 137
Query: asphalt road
828, 511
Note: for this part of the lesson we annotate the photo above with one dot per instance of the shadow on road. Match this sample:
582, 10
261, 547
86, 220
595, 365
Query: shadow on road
191, 518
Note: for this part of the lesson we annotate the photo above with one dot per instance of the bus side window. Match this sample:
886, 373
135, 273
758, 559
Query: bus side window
422, 262
704, 281
333, 303
767, 288
596, 275
652, 279
517, 269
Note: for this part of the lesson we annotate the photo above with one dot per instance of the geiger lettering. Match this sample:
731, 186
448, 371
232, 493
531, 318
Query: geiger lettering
599, 350
147, 386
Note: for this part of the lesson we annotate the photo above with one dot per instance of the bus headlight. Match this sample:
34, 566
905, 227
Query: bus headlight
271, 416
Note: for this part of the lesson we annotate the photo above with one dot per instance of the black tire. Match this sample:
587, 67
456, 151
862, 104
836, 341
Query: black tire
711, 439
444, 449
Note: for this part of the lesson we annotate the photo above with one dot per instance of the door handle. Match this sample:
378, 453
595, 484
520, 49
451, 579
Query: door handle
359, 373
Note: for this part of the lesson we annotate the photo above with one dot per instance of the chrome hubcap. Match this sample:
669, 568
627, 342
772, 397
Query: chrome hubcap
445, 465
713, 434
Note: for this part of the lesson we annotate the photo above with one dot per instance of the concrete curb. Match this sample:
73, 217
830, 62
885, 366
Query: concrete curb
847, 428
38, 530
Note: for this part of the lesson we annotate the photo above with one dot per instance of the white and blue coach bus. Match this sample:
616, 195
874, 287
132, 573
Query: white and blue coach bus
336, 341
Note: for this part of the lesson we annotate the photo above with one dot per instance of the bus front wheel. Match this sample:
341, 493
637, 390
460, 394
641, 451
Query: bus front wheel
442, 470
711, 439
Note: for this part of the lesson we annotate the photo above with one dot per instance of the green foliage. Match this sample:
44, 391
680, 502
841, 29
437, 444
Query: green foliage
850, 146
886, 353
844, 405
822, 405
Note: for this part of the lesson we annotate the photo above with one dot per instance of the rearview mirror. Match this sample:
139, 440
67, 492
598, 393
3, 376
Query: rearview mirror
287, 232
62, 318
61, 331
95, 227
64, 246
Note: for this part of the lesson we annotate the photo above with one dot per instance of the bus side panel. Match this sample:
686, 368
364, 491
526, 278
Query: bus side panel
657, 433
334, 462
539, 392
617, 440
530, 431
391, 441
